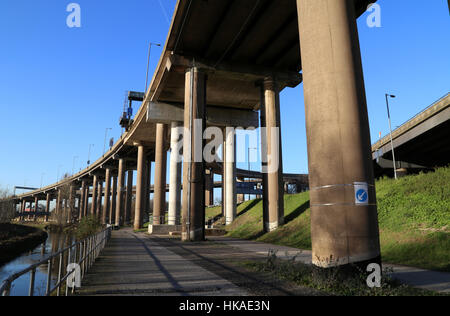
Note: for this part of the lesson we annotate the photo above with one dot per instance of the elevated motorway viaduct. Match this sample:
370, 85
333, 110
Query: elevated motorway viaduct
423, 142
225, 63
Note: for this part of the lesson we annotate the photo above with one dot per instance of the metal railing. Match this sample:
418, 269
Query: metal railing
83, 253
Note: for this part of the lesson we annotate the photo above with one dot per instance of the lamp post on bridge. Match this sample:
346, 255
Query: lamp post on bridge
104, 143
390, 132
148, 63
89, 154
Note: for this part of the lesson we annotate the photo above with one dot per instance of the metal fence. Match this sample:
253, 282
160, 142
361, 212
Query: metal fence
82, 253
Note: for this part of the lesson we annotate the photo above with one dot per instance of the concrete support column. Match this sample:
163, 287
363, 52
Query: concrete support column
120, 193
36, 203
107, 203
343, 227
71, 211
272, 154
22, 210
99, 198
86, 200
47, 206
58, 203
112, 209
82, 198
230, 175
193, 214
128, 197
175, 176
159, 196
140, 184
209, 188
94, 196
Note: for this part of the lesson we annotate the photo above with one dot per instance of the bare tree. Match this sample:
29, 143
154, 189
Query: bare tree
7, 206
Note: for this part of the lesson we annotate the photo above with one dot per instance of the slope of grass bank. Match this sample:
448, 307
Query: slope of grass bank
414, 220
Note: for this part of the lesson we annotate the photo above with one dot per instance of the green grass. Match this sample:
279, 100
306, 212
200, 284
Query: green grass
334, 281
413, 212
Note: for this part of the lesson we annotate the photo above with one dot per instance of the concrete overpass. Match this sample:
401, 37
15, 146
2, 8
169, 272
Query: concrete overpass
423, 142
224, 63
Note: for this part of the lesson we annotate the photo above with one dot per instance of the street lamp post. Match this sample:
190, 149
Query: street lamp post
148, 63
89, 154
390, 132
104, 143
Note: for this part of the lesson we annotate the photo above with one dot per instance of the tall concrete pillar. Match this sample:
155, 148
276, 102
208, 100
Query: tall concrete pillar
159, 195
86, 199
209, 188
175, 176
120, 193
112, 209
230, 175
107, 203
47, 206
82, 198
128, 197
344, 223
193, 221
36, 204
58, 203
22, 210
140, 184
272, 152
94, 196
71, 203
99, 198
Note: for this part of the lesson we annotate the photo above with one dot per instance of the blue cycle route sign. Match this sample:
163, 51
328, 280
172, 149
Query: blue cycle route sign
361, 193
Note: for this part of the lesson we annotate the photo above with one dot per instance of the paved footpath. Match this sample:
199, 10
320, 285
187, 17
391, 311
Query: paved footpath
133, 264
420, 278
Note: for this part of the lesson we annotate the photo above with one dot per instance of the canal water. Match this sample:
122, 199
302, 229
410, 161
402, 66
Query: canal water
56, 241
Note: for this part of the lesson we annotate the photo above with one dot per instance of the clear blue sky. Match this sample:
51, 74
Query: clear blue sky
60, 87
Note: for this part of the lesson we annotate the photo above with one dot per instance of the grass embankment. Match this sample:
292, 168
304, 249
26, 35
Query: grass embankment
17, 239
413, 212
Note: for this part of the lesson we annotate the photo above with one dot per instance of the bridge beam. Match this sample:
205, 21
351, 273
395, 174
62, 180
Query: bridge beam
175, 176
159, 195
193, 222
339, 151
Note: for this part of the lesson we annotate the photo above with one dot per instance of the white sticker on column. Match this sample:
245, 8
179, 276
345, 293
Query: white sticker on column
361, 193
